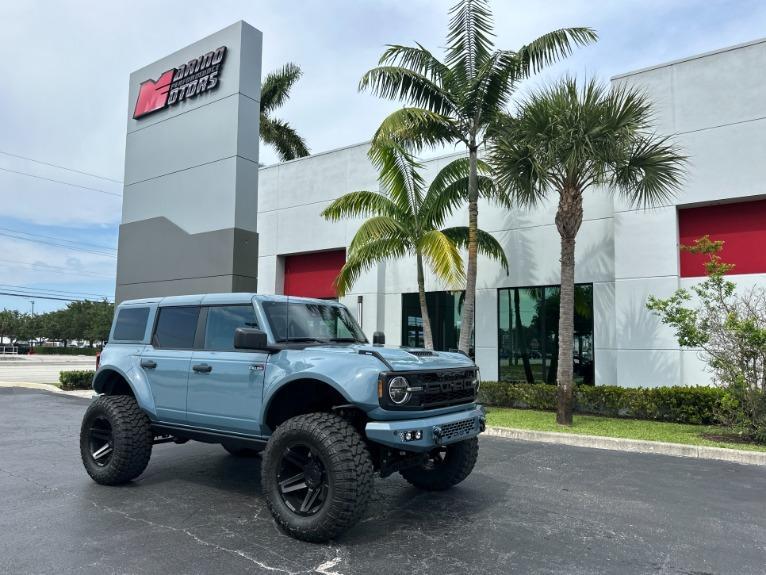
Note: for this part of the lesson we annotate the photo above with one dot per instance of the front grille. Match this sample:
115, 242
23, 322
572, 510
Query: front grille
441, 388
458, 429
446, 388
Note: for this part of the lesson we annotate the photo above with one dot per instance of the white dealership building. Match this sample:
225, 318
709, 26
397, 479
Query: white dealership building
714, 105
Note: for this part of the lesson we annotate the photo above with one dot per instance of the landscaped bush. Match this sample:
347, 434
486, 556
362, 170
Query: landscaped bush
76, 379
40, 350
697, 405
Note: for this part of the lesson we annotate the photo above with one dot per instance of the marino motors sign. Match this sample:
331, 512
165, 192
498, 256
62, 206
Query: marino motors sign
178, 84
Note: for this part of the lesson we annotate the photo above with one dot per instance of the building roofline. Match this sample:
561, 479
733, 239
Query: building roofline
348, 147
689, 58
323, 153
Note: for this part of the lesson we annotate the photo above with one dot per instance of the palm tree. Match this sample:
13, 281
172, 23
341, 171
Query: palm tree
405, 219
456, 101
566, 140
275, 90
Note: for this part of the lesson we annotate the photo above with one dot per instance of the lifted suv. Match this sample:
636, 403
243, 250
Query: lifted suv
294, 378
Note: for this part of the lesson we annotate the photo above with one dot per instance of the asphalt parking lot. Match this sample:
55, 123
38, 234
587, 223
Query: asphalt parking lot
528, 508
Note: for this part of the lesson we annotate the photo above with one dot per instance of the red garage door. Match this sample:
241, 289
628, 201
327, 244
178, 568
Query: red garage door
742, 227
312, 275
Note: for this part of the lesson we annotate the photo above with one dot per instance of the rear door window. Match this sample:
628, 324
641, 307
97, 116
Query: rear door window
176, 327
131, 324
222, 321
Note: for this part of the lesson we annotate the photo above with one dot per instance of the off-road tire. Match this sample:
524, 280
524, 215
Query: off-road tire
457, 465
132, 439
348, 467
240, 451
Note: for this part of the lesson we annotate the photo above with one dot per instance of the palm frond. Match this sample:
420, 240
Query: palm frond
283, 137
275, 89
469, 40
418, 128
379, 228
360, 204
363, 258
650, 173
398, 83
399, 174
549, 48
486, 242
442, 257
416, 59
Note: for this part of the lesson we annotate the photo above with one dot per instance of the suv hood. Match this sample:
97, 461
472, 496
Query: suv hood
405, 359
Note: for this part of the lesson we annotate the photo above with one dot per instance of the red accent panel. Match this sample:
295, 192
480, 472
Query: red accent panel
313, 275
742, 227
153, 96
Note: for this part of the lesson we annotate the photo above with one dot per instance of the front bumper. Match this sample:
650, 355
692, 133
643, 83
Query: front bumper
435, 431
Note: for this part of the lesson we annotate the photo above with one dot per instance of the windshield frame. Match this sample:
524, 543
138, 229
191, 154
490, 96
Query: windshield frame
303, 311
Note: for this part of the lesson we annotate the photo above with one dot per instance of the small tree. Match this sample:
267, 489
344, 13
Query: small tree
729, 326
565, 141
406, 219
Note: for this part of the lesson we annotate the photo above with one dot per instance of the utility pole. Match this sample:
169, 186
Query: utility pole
33, 306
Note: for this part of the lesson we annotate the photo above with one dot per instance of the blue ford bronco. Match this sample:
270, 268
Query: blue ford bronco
294, 378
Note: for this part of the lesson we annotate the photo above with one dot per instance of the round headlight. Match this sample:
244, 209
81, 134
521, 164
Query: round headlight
397, 390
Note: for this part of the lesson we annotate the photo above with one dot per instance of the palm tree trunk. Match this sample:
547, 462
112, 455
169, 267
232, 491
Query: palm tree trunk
469, 306
428, 339
568, 220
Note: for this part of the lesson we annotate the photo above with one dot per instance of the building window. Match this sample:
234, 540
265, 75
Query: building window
741, 226
528, 326
444, 308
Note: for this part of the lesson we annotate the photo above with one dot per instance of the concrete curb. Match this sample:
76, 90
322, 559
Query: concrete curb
632, 445
85, 393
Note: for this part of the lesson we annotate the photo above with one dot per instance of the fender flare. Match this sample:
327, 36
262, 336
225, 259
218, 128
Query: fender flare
137, 383
297, 377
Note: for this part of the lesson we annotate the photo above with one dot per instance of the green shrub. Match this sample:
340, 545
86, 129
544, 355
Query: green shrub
40, 350
696, 405
76, 379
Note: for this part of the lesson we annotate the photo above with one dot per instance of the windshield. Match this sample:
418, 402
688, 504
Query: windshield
304, 321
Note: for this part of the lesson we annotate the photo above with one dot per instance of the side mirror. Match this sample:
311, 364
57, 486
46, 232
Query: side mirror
250, 338
378, 338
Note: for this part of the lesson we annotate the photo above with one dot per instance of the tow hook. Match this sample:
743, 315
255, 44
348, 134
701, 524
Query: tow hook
482, 424
438, 434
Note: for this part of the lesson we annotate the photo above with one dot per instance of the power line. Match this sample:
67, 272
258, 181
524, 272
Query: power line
99, 190
60, 167
27, 296
53, 291
58, 238
58, 269
59, 245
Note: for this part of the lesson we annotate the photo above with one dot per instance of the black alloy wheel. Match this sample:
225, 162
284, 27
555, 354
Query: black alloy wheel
302, 479
101, 441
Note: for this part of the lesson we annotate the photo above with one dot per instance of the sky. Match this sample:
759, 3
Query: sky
64, 95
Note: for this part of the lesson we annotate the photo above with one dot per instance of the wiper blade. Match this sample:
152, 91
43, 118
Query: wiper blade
346, 340
303, 339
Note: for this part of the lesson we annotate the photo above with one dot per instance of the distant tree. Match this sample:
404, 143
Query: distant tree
566, 141
275, 91
10, 321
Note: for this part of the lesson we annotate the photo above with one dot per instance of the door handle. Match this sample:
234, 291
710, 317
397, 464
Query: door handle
148, 363
202, 368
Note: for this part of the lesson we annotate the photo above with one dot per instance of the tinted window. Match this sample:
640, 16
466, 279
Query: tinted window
131, 324
221, 323
176, 327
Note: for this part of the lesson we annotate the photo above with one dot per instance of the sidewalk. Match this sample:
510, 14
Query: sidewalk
84, 393
632, 445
